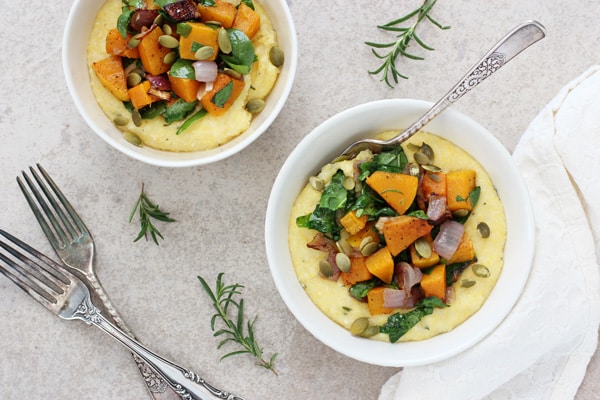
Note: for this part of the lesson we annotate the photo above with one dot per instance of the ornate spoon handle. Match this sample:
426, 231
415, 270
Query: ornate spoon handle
506, 49
186, 383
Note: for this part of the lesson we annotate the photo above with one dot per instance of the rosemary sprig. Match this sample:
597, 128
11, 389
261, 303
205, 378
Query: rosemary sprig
224, 301
147, 210
399, 47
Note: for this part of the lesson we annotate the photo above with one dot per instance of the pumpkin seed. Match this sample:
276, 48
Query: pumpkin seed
343, 262
431, 168
371, 330
366, 240
276, 56
255, 106
213, 23
316, 183
483, 229
132, 138
158, 21
423, 248
325, 268
348, 183
359, 325
136, 117
204, 53
481, 270
343, 246
413, 147
224, 41
170, 58
434, 177
467, 283
134, 41
427, 151
421, 158
460, 213
232, 73
120, 120
166, 28
133, 79
168, 41
369, 249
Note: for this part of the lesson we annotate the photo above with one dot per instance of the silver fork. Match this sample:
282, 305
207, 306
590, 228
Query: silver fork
74, 245
66, 296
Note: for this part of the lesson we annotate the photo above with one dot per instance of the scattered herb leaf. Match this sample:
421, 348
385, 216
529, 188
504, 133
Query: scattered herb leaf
147, 211
224, 300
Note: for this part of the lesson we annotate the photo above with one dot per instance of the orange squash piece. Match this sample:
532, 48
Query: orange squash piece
247, 20
185, 88
398, 190
222, 12
459, 185
381, 264
200, 34
356, 239
220, 83
150, 5
152, 53
400, 232
118, 45
358, 271
434, 283
352, 223
433, 183
375, 301
111, 74
424, 262
464, 251
139, 95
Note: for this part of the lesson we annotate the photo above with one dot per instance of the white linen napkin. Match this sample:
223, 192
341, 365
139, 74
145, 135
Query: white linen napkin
542, 348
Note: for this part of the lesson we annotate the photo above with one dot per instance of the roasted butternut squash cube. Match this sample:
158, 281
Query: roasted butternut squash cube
459, 185
224, 93
434, 283
353, 223
140, 97
433, 183
118, 45
464, 251
400, 232
247, 20
111, 74
222, 12
358, 271
199, 35
381, 264
398, 190
152, 53
185, 88
356, 239
424, 262
375, 301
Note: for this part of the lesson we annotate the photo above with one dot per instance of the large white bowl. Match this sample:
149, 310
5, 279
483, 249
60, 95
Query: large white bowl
325, 143
77, 31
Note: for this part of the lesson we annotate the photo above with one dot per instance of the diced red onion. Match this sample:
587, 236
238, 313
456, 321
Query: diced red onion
407, 275
206, 71
448, 239
394, 298
436, 208
159, 82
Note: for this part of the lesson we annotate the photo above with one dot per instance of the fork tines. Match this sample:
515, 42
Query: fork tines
32, 271
58, 220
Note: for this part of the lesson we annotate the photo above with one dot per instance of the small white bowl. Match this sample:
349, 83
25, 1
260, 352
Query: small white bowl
322, 145
74, 55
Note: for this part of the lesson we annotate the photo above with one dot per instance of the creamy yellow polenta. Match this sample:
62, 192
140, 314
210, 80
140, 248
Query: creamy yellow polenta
333, 298
210, 131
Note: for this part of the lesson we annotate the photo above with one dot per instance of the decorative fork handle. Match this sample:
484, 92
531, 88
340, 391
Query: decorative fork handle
513, 43
185, 383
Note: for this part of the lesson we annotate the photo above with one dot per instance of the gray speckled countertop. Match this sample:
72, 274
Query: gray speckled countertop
220, 208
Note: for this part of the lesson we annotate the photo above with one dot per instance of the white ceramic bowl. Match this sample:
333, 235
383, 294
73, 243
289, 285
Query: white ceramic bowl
325, 143
75, 39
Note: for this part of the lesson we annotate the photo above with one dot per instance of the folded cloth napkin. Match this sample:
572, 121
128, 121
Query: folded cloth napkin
542, 348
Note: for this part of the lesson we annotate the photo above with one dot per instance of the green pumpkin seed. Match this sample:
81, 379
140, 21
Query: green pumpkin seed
467, 283
343, 262
134, 41
343, 246
413, 147
316, 183
232, 73
434, 177
369, 249
483, 229
224, 41
132, 138
423, 248
120, 120
168, 41
431, 168
421, 158
133, 79
276, 56
204, 53
481, 270
371, 330
325, 268
255, 106
136, 117
166, 28
158, 21
460, 213
348, 183
170, 58
427, 151
359, 325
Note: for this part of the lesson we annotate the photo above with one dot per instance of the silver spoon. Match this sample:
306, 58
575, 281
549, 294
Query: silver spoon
513, 43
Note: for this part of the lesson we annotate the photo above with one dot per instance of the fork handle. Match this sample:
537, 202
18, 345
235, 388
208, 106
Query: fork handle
184, 382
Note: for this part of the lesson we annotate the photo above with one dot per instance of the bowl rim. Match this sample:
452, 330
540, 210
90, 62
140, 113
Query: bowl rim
77, 80
518, 250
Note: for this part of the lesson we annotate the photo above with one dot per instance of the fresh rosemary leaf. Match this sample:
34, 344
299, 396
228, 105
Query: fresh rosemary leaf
147, 211
236, 330
398, 48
